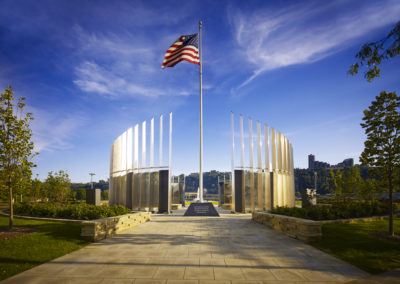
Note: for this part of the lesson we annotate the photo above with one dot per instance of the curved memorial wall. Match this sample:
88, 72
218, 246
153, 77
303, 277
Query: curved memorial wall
265, 178
137, 181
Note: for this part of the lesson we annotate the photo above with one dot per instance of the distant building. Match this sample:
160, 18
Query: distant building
313, 164
311, 161
321, 165
348, 162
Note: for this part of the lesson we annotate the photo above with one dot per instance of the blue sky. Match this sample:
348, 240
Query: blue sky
92, 69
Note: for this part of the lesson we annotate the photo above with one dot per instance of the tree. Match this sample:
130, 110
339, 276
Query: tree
36, 190
16, 147
353, 182
368, 190
58, 186
382, 147
72, 194
105, 194
372, 54
81, 194
335, 184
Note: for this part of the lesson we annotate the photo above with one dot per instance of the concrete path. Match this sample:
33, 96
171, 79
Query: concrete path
176, 249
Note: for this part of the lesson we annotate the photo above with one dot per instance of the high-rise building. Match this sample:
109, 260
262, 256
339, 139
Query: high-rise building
348, 162
311, 161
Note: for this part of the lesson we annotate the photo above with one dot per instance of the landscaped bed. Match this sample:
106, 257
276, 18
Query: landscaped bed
36, 242
335, 211
70, 211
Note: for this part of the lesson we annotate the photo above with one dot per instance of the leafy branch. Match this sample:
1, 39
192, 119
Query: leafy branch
372, 54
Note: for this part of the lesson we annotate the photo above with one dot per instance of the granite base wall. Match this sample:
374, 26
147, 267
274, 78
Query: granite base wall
95, 230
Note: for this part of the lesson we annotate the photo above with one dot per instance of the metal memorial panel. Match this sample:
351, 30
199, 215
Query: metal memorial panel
252, 191
122, 190
128, 189
175, 193
279, 150
134, 179
273, 150
263, 185
152, 142
241, 143
260, 192
136, 192
246, 191
228, 193
144, 190
267, 190
232, 192
136, 148
154, 177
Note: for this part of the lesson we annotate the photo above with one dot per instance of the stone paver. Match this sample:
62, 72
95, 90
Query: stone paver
175, 249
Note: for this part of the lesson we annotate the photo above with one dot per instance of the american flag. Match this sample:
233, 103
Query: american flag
185, 48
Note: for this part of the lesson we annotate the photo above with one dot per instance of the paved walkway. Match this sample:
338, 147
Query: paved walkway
176, 249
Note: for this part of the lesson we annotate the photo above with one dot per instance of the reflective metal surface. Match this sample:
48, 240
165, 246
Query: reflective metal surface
269, 184
134, 179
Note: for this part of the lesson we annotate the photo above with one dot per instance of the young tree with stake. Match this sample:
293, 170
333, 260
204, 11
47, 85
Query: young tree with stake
16, 147
382, 147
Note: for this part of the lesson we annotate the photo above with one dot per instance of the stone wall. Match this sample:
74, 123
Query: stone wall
99, 229
302, 229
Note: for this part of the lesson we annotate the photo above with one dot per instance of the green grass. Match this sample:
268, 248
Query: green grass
353, 244
53, 240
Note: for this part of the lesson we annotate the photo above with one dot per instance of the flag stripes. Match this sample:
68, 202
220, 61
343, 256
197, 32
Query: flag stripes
184, 49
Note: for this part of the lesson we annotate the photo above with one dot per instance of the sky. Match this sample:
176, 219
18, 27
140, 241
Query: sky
91, 69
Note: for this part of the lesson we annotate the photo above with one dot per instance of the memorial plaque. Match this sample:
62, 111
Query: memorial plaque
201, 209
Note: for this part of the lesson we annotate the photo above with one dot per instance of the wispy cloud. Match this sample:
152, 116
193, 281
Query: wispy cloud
93, 78
111, 45
272, 39
54, 132
120, 65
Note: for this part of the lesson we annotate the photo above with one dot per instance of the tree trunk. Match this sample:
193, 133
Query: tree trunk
11, 203
391, 231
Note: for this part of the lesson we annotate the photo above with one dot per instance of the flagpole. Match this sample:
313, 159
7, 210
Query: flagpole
201, 118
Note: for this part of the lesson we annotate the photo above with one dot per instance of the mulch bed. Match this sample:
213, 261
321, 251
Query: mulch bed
385, 236
16, 232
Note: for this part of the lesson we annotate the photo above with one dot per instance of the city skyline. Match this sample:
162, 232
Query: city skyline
91, 70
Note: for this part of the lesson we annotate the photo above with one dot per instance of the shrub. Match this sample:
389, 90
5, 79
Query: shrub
70, 211
336, 211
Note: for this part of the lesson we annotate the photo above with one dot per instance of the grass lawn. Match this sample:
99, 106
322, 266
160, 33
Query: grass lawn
53, 240
354, 244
